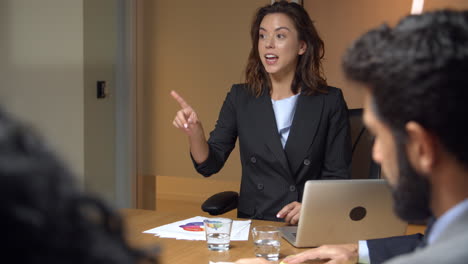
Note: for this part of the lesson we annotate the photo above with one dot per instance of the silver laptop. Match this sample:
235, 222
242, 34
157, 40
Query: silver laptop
344, 211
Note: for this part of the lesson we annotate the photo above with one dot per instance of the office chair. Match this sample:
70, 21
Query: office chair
362, 165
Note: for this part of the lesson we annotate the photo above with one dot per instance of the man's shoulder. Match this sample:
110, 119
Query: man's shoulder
451, 251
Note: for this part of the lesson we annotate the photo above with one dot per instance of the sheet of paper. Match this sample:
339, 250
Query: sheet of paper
192, 229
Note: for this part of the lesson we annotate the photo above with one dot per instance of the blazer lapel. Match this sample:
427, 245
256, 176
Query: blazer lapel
305, 123
267, 122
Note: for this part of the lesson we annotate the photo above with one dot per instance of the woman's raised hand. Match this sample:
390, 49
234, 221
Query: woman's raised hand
186, 118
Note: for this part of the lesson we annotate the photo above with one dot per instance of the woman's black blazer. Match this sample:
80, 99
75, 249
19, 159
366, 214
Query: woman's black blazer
318, 147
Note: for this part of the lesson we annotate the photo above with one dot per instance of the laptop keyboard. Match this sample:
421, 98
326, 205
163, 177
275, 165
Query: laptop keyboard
294, 234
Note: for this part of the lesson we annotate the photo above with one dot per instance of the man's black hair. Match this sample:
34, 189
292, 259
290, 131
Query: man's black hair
418, 71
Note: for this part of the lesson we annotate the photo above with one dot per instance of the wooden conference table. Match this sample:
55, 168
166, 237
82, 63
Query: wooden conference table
194, 252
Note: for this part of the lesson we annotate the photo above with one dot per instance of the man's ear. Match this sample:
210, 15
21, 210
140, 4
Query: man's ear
302, 47
421, 148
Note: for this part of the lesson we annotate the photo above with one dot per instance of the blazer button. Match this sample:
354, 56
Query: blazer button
292, 188
253, 160
260, 186
307, 162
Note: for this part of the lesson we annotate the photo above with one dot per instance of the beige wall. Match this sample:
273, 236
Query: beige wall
53, 51
41, 71
340, 22
198, 49
452, 4
99, 38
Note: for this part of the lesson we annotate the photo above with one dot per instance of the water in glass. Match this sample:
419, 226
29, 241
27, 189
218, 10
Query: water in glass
218, 241
267, 248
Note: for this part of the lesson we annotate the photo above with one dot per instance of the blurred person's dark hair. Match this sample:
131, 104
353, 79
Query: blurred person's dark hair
418, 71
46, 218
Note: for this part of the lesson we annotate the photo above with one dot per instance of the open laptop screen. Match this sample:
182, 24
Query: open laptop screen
344, 211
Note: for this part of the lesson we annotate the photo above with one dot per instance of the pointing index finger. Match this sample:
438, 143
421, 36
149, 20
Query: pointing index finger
179, 99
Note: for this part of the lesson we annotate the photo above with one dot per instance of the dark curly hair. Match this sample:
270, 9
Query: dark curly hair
418, 71
309, 73
45, 217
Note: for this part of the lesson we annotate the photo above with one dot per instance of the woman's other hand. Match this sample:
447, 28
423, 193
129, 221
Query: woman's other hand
290, 213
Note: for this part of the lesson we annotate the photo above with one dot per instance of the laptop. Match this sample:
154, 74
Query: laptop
344, 211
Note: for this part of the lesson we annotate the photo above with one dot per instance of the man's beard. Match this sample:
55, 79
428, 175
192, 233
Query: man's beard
412, 193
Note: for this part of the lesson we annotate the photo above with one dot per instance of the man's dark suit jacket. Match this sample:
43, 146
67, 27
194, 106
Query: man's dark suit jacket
318, 147
381, 250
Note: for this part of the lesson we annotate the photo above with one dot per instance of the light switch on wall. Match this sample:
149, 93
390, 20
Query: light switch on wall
101, 89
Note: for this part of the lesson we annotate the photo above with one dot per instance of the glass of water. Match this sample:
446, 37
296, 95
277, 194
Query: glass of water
218, 233
267, 242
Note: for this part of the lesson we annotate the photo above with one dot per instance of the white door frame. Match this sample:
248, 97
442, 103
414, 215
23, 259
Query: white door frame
126, 170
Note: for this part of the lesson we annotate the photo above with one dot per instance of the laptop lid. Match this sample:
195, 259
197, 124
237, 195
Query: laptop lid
344, 211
